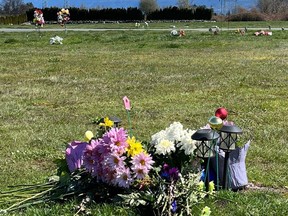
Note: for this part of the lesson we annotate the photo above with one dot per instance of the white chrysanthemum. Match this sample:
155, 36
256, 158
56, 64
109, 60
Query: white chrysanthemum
165, 147
174, 131
156, 138
186, 143
164, 141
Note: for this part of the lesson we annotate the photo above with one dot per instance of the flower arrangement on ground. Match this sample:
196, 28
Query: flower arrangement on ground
38, 18
175, 185
161, 177
113, 159
63, 16
158, 177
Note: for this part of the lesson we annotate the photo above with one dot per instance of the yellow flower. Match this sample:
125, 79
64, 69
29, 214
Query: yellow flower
201, 185
88, 136
135, 147
211, 186
206, 211
107, 123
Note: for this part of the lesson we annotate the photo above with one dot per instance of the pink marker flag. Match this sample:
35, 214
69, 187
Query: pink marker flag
126, 103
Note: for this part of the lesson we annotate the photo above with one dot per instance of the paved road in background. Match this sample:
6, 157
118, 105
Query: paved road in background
146, 29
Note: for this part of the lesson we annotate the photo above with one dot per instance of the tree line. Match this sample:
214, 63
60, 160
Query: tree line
16, 11
128, 14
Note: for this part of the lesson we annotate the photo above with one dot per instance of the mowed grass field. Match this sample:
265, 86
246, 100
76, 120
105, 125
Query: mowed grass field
51, 93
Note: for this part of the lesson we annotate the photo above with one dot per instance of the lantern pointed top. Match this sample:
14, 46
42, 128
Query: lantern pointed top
231, 129
205, 134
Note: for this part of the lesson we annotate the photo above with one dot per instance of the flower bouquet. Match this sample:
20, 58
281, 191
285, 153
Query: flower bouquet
174, 182
159, 177
63, 16
38, 18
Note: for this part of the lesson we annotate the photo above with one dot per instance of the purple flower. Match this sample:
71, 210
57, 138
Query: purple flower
165, 167
115, 161
91, 155
174, 207
165, 173
170, 173
174, 173
140, 172
74, 154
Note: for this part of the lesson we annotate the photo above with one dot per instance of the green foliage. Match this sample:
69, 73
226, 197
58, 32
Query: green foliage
248, 16
161, 195
13, 20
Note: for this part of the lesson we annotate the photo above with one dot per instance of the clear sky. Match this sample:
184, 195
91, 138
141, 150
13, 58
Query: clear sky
216, 4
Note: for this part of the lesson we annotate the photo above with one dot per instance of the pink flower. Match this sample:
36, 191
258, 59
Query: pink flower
142, 160
90, 155
117, 140
109, 176
115, 161
140, 172
123, 177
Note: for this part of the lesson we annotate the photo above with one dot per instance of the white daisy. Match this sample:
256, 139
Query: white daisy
165, 147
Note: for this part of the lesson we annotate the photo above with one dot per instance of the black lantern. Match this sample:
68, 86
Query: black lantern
205, 148
228, 138
116, 121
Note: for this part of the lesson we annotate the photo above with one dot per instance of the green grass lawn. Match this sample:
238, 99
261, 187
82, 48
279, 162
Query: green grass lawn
50, 94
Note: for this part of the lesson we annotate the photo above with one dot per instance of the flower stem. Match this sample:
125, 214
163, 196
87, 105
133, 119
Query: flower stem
25, 200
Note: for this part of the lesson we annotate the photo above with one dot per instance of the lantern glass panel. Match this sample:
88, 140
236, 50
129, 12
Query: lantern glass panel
228, 141
205, 149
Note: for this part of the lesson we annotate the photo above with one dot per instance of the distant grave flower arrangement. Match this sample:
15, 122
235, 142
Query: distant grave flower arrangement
38, 18
63, 16
160, 177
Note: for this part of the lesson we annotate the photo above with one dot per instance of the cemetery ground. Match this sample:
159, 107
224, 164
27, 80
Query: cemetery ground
50, 94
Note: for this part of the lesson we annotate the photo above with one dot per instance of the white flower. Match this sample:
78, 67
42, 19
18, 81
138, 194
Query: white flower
164, 141
55, 40
156, 138
186, 143
164, 147
206, 211
174, 131
174, 32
